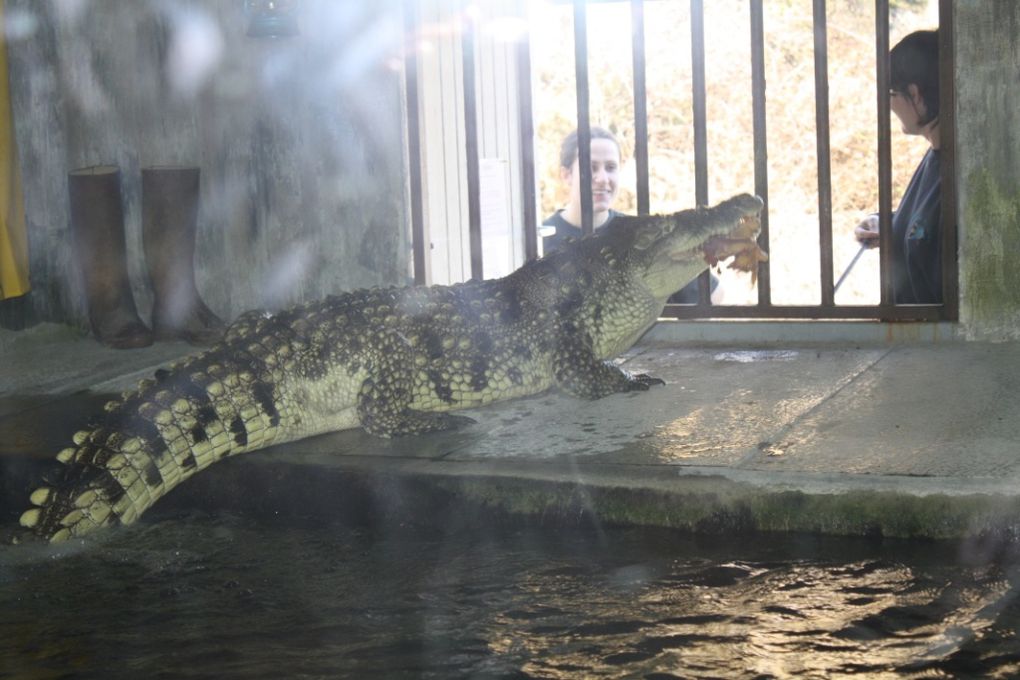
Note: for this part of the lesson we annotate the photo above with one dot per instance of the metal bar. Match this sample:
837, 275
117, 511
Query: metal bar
525, 114
823, 150
866, 312
761, 165
947, 160
700, 126
419, 240
583, 121
698, 96
849, 268
884, 151
637, 22
637, 29
471, 149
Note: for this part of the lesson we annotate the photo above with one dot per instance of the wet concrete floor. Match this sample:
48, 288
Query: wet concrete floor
910, 439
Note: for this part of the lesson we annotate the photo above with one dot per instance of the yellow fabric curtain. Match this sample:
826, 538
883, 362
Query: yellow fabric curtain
13, 239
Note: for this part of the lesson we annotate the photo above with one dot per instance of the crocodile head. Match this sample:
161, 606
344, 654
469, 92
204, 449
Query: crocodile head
665, 252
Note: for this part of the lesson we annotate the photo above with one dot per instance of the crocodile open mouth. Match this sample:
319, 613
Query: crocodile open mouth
740, 244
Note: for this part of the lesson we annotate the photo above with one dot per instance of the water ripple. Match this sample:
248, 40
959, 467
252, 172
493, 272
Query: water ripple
249, 600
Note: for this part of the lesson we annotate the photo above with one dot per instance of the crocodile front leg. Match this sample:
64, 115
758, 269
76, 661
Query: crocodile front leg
580, 373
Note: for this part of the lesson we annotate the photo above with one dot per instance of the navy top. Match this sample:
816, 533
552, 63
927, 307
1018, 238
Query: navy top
917, 242
564, 230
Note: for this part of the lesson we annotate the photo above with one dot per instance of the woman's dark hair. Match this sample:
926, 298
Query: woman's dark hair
568, 149
915, 61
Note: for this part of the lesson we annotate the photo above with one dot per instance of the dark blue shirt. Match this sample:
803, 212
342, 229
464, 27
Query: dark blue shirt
565, 230
917, 242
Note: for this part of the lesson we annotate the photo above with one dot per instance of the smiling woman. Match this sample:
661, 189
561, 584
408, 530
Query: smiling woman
605, 182
565, 223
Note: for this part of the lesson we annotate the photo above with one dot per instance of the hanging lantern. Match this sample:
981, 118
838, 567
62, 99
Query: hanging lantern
271, 18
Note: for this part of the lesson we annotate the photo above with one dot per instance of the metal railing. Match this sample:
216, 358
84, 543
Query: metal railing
764, 309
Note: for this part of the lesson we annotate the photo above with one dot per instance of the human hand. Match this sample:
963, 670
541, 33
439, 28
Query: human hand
866, 232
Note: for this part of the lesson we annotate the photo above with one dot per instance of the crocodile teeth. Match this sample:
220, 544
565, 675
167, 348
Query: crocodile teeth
60, 536
40, 495
80, 437
30, 518
66, 456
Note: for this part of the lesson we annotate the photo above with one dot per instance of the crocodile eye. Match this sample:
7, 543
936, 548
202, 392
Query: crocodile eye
645, 238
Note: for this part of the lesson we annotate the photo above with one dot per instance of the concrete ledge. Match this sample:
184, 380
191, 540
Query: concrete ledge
913, 440
644, 496
372, 489
755, 332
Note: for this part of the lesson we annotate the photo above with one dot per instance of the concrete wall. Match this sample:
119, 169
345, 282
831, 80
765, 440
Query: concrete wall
300, 140
988, 166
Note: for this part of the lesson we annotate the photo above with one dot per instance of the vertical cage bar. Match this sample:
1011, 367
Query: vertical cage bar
419, 251
698, 97
884, 151
471, 147
700, 126
583, 113
947, 160
761, 165
637, 28
823, 150
525, 114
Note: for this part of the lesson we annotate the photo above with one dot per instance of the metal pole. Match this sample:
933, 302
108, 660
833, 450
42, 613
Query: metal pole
637, 28
471, 149
583, 115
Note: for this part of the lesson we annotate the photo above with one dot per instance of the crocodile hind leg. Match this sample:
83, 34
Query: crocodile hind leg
384, 398
580, 373
384, 410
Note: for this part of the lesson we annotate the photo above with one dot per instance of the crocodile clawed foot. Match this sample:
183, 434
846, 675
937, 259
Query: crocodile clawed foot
641, 382
452, 421
415, 422
439, 422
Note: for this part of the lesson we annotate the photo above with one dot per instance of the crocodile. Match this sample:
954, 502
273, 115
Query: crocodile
394, 361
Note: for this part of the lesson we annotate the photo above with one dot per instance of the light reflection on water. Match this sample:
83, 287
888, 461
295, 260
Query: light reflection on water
200, 597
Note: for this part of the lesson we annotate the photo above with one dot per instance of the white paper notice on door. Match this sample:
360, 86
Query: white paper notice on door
494, 206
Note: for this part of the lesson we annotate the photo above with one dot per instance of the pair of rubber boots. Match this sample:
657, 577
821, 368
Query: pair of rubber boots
169, 221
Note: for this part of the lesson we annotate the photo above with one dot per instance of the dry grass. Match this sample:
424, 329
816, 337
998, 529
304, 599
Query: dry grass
790, 111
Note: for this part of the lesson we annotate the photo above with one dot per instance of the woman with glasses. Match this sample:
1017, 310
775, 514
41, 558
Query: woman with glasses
916, 237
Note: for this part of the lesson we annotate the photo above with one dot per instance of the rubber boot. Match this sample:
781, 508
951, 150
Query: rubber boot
169, 222
97, 230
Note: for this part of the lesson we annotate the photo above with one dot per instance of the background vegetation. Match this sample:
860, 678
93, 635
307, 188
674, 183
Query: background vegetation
790, 112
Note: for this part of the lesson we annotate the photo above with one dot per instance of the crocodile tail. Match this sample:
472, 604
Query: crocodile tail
154, 438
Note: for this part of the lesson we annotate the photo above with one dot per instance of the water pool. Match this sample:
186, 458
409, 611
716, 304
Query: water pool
448, 593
